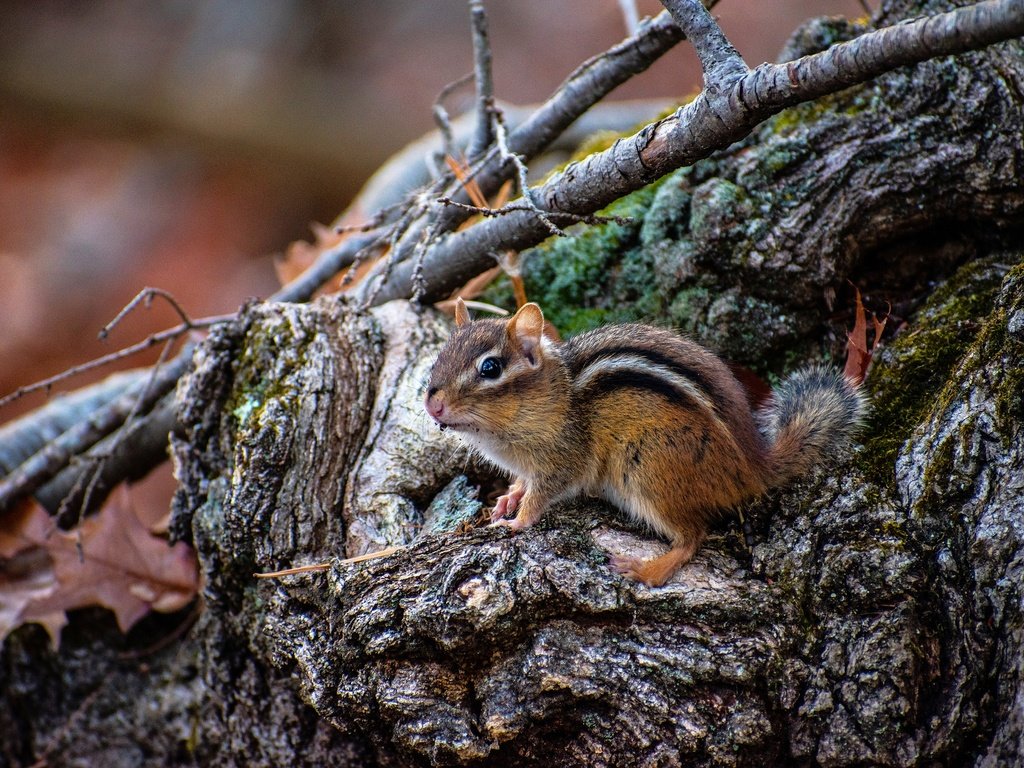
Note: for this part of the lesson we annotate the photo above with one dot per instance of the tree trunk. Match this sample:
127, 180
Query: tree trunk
878, 620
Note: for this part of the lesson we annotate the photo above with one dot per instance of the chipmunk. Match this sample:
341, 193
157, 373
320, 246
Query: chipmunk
649, 420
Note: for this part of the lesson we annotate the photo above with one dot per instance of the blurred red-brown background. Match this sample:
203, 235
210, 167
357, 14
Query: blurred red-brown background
178, 143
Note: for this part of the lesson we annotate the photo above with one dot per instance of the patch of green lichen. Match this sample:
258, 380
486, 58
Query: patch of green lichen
848, 103
253, 386
997, 342
568, 276
912, 378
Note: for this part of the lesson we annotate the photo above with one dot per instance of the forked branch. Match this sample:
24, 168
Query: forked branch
714, 120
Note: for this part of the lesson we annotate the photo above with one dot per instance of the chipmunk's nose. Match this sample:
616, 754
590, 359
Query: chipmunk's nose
434, 404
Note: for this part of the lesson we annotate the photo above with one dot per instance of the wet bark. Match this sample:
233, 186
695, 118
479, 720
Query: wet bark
878, 621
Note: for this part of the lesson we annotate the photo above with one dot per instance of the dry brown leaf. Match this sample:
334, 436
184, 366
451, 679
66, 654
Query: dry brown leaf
858, 353
120, 565
26, 572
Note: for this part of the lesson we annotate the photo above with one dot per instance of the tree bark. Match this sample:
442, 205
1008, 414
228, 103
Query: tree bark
878, 620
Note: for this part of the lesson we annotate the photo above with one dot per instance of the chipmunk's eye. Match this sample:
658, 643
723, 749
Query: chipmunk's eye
490, 368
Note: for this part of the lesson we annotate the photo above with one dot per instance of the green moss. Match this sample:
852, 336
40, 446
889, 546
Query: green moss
913, 377
688, 308
799, 117
721, 211
997, 342
568, 276
1010, 400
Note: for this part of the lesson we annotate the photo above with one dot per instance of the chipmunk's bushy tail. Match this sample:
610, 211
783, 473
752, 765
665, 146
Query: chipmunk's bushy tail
811, 417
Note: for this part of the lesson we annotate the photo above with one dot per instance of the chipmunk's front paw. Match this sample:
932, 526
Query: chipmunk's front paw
507, 504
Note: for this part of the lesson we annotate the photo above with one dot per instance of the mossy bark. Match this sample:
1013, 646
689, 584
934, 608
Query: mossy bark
879, 619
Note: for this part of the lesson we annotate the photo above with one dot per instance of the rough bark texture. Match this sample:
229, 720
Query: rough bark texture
879, 620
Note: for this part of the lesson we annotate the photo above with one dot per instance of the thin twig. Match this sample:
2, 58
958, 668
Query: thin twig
573, 218
379, 219
442, 119
146, 296
419, 255
320, 567
150, 341
501, 142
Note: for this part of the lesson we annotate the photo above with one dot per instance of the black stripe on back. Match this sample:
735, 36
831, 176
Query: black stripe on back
651, 356
610, 381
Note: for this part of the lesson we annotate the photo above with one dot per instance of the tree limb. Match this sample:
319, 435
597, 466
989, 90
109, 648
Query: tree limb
587, 85
712, 121
721, 62
58, 453
484, 133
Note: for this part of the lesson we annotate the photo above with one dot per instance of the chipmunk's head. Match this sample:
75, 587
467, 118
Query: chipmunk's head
491, 375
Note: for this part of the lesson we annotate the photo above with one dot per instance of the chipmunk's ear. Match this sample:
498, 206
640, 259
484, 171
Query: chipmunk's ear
527, 327
461, 313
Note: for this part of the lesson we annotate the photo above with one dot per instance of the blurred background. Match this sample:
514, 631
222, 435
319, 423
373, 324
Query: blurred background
181, 143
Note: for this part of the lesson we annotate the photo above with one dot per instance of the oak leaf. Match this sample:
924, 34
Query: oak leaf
111, 560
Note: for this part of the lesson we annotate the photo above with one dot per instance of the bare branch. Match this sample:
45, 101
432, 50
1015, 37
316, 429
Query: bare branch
46, 463
507, 155
630, 17
21, 438
127, 454
484, 133
712, 121
587, 85
721, 62
327, 265
150, 341
388, 188
88, 481
443, 120
571, 218
146, 296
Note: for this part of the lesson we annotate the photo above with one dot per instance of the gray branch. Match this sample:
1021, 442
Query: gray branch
588, 84
484, 134
58, 453
712, 121
721, 62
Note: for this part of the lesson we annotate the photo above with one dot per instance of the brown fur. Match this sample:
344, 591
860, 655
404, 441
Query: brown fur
649, 420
